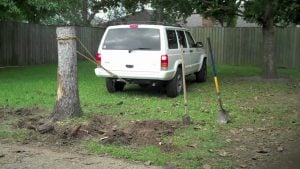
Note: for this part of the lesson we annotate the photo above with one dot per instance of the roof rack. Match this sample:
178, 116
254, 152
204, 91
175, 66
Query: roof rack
142, 22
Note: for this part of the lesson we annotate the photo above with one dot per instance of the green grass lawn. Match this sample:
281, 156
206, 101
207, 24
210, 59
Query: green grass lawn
247, 100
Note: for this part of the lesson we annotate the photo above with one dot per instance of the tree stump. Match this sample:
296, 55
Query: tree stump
67, 101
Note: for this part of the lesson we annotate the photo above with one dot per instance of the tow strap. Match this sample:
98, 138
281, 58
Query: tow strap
90, 57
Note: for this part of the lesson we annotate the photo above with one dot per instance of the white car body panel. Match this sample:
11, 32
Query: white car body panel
145, 64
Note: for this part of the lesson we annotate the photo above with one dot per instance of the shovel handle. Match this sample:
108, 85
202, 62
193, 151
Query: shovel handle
212, 57
217, 84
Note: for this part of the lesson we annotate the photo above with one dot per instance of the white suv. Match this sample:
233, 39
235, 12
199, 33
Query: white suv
149, 55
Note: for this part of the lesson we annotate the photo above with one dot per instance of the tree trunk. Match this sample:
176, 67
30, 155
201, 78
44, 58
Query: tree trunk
67, 101
269, 67
84, 12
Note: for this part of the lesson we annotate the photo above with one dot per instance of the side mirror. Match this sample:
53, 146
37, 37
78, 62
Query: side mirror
199, 44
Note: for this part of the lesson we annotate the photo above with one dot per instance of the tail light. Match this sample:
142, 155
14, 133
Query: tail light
98, 58
134, 26
164, 62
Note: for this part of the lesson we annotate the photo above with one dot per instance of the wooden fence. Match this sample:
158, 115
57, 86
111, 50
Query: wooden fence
243, 46
27, 44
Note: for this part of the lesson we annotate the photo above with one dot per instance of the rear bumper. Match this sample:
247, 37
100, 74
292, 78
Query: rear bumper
161, 75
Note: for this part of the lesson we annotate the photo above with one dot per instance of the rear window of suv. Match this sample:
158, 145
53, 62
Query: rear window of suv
132, 39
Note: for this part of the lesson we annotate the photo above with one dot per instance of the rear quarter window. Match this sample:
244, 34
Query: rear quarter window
182, 40
128, 38
172, 39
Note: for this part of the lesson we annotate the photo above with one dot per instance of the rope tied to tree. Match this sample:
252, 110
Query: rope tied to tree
90, 57
66, 38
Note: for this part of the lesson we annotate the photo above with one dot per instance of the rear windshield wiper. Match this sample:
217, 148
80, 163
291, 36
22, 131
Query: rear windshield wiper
130, 50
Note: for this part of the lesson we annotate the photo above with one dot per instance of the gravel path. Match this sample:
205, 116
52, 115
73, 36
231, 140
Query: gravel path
13, 156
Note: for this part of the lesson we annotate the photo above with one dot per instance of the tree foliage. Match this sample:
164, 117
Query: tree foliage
281, 12
270, 13
224, 11
27, 10
9, 10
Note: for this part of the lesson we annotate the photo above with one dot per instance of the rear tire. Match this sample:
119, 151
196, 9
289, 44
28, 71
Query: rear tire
174, 87
113, 86
201, 76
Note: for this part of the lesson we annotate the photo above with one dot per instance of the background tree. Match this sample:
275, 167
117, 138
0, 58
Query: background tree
270, 13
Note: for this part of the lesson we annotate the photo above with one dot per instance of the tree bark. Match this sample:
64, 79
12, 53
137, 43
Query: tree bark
269, 67
67, 101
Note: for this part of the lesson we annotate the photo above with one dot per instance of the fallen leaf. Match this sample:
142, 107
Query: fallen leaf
148, 163
254, 158
241, 148
243, 165
280, 149
250, 129
103, 138
262, 129
197, 127
223, 153
234, 131
228, 140
206, 166
194, 145
263, 151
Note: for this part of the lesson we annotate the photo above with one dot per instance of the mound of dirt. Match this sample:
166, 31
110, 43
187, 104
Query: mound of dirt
138, 133
30, 118
142, 132
102, 127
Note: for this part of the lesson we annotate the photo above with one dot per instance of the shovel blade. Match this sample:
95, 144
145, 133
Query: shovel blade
186, 120
223, 117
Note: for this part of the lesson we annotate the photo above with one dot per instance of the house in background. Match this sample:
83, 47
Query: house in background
196, 20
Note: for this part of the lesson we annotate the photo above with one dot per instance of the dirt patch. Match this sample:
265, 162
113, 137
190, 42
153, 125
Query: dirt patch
27, 118
20, 111
31, 156
143, 133
138, 133
262, 147
251, 147
102, 127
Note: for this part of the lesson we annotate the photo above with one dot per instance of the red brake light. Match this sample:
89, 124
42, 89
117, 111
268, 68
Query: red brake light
164, 62
134, 26
98, 58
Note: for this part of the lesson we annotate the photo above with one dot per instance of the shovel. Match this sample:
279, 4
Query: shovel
223, 115
186, 119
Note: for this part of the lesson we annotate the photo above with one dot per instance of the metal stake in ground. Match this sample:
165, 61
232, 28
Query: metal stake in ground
186, 120
223, 115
